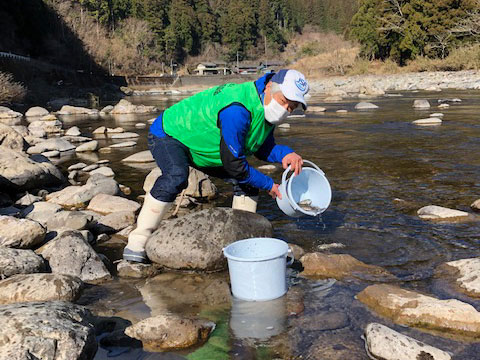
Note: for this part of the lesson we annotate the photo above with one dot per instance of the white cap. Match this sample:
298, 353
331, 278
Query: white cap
293, 84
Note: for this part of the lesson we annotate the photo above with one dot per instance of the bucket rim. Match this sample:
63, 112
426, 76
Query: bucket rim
294, 205
257, 259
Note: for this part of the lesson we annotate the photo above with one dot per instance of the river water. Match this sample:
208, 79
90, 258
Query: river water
372, 159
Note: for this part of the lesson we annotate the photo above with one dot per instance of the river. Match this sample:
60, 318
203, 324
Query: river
372, 159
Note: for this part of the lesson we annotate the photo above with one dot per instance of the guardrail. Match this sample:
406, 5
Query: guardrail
14, 56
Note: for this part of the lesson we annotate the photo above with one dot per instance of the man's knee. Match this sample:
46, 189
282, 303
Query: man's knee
169, 185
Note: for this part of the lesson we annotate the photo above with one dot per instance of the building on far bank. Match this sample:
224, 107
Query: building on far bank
212, 68
267, 66
247, 67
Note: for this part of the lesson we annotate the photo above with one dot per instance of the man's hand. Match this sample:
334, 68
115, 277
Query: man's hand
274, 192
294, 160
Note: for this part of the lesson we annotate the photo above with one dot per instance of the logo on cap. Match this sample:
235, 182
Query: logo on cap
301, 84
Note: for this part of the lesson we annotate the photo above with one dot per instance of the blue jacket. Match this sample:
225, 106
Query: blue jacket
235, 123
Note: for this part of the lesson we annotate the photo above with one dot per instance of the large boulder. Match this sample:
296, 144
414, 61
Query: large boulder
39, 287
70, 254
169, 331
54, 330
126, 107
195, 241
107, 204
19, 172
406, 307
12, 139
9, 117
14, 261
20, 233
199, 184
387, 344
39, 127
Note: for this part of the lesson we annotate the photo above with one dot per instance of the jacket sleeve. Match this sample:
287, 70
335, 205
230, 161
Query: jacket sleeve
234, 123
272, 152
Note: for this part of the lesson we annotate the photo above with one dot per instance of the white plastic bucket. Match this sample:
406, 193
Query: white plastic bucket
257, 268
310, 184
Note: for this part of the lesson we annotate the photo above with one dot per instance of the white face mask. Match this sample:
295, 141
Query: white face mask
274, 112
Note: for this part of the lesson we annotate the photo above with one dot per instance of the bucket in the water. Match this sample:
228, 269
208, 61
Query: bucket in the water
311, 184
257, 268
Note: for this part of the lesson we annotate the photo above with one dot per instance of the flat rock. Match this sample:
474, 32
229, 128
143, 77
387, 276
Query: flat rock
20, 233
195, 241
19, 172
77, 166
315, 109
406, 307
106, 204
140, 125
113, 222
168, 332
284, 126
476, 205
88, 146
15, 261
99, 130
123, 144
67, 220
51, 144
467, 272
49, 127
428, 121
54, 330
387, 344
73, 131
437, 115
433, 212
421, 104
125, 135
70, 254
365, 106
126, 107
340, 266
342, 111
41, 211
443, 106
75, 110
39, 287
90, 167
36, 111
116, 130
11, 139
51, 154
140, 157
103, 170
6, 114
28, 199
127, 269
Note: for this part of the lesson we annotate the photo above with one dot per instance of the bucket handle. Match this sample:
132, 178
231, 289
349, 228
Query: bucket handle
290, 255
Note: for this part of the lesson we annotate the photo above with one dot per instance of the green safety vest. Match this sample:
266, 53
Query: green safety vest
194, 121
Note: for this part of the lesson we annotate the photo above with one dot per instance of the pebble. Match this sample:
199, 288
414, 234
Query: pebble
284, 126
342, 111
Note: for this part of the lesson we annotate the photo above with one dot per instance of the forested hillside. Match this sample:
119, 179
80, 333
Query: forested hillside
137, 36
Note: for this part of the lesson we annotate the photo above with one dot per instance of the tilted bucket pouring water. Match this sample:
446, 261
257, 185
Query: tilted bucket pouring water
311, 184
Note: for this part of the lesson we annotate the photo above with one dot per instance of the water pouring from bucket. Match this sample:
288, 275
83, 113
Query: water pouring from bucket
307, 193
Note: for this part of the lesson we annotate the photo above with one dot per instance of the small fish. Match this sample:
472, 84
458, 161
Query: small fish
306, 205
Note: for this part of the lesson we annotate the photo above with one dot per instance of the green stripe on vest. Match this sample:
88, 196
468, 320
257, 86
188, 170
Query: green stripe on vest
193, 121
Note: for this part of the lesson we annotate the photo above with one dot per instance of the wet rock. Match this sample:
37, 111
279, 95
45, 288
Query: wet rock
437, 115
365, 106
103, 170
74, 110
284, 126
443, 106
51, 154
48, 117
14, 261
28, 199
451, 100
421, 104
140, 157
39, 287
125, 135
51, 144
123, 144
387, 344
433, 212
36, 111
70, 254
339, 266
127, 269
20, 233
90, 167
113, 222
106, 110
342, 111
324, 321
38, 127
88, 146
99, 131
428, 121
166, 332
18, 172
406, 307
297, 251
467, 273
11, 139
73, 131
54, 330
476, 205
106, 204
126, 107
77, 166
315, 109
195, 241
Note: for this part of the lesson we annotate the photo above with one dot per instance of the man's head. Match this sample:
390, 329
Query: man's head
284, 93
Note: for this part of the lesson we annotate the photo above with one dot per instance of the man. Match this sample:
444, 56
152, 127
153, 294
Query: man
214, 131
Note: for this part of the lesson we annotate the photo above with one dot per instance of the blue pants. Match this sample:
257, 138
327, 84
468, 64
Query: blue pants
173, 158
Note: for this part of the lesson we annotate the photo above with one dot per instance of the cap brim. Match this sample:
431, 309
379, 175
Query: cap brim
293, 96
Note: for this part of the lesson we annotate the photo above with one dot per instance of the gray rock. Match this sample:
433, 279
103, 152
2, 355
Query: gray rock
165, 332
28, 199
117, 130
11, 139
77, 166
140, 125
51, 154
387, 344
127, 269
15, 261
18, 172
68, 220
41, 211
140, 157
476, 205
113, 222
70, 254
99, 131
54, 330
76, 139
73, 131
36, 111
20, 233
365, 106
432, 212
431, 121
6, 114
90, 167
103, 170
106, 204
72, 110
49, 127
195, 241
125, 135
467, 273
39, 287
51, 144
126, 107
88, 146
106, 110
421, 104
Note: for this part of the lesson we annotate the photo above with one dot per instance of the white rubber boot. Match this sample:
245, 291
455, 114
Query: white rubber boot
246, 203
152, 213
